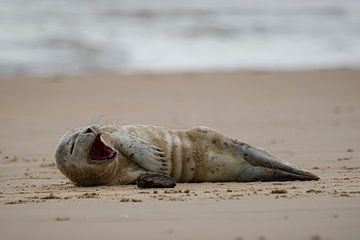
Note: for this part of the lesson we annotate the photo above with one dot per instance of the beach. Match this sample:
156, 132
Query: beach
310, 118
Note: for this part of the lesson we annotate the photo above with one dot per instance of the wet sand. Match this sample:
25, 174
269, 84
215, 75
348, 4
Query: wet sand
309, 118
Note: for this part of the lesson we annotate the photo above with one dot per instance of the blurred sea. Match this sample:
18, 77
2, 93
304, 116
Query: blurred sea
40, 37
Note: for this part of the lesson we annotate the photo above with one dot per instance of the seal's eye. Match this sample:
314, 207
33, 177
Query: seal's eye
88, 130
72, 147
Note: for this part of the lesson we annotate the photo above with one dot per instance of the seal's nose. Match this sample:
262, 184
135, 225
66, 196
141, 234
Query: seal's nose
88, 130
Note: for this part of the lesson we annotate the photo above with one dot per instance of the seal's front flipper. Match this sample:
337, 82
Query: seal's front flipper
155, 180
144, 154
272, 169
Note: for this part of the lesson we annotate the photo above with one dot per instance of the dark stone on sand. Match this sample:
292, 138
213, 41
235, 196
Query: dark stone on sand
155, 180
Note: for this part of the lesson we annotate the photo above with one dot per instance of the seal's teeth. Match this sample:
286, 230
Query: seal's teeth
105, 139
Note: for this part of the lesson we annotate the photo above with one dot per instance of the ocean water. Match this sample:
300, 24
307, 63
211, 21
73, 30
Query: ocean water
80, 36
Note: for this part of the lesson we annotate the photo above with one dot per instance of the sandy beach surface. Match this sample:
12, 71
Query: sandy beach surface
309, 118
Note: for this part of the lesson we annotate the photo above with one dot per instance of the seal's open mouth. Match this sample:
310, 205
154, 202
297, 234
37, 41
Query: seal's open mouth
100, 152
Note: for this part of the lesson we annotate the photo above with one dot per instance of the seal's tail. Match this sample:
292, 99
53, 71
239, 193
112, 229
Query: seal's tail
266, 167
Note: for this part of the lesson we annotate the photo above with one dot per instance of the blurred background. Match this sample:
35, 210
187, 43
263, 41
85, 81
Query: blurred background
46, 37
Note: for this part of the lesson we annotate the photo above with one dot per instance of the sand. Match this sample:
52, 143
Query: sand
309, 118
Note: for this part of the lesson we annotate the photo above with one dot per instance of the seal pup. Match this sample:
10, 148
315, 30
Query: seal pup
107, 155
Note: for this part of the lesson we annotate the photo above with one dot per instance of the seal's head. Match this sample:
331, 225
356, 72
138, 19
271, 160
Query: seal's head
86, 158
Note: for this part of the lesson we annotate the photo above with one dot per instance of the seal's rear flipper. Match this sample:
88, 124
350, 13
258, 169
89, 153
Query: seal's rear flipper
256, 173
266, 167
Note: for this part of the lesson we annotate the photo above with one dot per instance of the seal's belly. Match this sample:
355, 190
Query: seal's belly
190, 158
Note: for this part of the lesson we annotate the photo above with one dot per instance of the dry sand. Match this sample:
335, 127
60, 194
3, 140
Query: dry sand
309, 118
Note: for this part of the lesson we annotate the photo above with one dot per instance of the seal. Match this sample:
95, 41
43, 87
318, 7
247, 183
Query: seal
108, 155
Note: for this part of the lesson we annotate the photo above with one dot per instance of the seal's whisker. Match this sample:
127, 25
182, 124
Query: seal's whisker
99, 122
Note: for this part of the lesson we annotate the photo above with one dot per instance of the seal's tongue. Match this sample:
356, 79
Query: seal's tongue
99, 151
